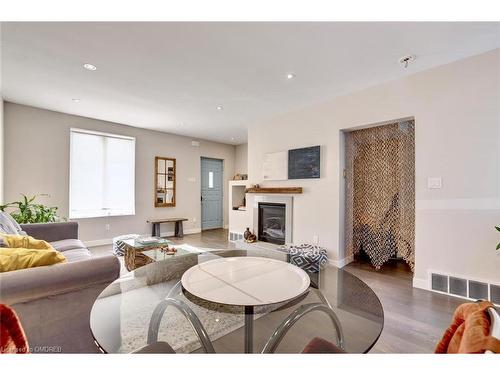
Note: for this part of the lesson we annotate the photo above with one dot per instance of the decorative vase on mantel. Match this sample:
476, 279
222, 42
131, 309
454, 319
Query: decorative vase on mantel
247, 233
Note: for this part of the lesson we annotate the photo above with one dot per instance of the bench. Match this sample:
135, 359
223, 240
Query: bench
179, 231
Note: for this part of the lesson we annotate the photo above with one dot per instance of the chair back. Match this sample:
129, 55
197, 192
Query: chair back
494, 325
12, 337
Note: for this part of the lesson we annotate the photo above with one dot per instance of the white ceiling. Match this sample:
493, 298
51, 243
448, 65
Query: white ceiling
171, 76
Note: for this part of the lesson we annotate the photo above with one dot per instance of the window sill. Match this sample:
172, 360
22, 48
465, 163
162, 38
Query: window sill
99, 215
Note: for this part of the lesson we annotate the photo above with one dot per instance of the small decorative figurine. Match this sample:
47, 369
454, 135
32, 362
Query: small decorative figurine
168, 250
171, 251
251, 238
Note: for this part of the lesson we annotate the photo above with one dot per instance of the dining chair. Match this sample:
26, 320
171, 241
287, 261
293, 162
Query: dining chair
155, 346
12, 337
475, 328
494, 325
317, 344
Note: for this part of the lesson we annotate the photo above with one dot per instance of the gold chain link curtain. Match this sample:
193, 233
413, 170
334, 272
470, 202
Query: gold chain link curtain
380, 192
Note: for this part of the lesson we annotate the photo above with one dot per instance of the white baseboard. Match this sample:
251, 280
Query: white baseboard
341, 262
420, 283
186, 231
109, 241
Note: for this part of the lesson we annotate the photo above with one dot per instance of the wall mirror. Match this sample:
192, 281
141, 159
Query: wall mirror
164, 182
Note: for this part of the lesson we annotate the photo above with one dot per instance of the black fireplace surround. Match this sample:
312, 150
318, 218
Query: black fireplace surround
272, 218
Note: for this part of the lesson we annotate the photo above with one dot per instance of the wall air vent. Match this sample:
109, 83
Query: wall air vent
464, 287
478, 290
458, 286
439, 283
495, 294
234, 236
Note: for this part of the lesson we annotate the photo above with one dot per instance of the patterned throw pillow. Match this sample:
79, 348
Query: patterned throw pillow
119, 247
310, 258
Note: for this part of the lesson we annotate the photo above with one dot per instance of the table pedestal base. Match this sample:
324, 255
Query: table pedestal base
248, 329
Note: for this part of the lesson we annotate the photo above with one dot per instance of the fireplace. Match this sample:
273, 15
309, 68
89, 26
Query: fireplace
272, 218
272, 222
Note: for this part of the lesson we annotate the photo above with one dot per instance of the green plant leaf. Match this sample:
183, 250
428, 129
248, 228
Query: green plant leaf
498, 246
498, 228
30, 212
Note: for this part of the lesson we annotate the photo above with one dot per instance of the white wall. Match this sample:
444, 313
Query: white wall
456, 110
37, 161
241, 159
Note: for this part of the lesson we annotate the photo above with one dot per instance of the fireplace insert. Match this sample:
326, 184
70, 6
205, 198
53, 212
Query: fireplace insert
272, 223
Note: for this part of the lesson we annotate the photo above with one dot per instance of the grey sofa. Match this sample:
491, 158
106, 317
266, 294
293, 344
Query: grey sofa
54, 302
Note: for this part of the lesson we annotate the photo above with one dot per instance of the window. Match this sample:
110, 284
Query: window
102, 174
210, 180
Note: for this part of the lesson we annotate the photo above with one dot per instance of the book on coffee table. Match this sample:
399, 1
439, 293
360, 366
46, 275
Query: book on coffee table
148, 240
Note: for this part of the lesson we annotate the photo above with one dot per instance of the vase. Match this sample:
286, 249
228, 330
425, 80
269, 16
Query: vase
246, 234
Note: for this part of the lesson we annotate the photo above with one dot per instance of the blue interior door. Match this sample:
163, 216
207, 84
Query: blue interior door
211, 193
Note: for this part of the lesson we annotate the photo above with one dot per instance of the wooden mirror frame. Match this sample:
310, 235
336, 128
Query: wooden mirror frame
165, 174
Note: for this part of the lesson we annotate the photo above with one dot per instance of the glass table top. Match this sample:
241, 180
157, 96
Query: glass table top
137, 244
159, 255
149, 304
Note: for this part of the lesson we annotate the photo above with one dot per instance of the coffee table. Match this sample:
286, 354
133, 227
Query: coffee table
138, 254
248, 282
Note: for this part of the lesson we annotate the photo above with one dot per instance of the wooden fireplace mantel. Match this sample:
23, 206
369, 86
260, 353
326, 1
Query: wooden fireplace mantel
275, 190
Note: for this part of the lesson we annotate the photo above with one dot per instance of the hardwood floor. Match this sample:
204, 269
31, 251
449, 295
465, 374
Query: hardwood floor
414, 319
212, 238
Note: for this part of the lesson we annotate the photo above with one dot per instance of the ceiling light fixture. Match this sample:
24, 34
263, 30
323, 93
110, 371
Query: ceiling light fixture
89, 66
406, 60
290, 76
76, 100
232, 139
219, 108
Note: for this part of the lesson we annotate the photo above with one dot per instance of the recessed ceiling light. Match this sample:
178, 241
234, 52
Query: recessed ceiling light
232, 138
76, 100
290, 76
89, 66
219, 108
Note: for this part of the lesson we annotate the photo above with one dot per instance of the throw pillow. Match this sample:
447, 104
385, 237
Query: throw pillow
26, 252
8, 225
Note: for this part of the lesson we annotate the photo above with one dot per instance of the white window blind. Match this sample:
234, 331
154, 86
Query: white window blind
102, 174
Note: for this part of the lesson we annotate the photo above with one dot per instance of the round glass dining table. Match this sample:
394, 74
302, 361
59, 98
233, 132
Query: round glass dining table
150, 305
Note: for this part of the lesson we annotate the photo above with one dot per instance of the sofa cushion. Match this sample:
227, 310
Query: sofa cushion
69, 244
76, 255
74, 250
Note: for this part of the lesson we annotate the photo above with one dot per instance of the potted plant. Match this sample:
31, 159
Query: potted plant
27, 211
